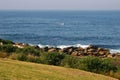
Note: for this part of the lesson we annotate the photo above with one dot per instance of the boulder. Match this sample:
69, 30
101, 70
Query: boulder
110, 56
1, 43
37, 47
60, 50
45, 49
68, 50
91, 50
117, 55
74, 53
80, 53
51, 50
92, 47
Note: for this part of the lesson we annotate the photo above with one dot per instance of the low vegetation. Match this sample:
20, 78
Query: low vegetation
106, 66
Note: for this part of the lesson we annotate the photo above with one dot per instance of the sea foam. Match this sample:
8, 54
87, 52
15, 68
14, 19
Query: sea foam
63, 46
114, 50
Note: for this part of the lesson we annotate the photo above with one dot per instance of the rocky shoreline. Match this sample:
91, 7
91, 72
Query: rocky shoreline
90, 50
75, 51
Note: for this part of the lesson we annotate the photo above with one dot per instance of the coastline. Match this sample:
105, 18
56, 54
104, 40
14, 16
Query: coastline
74, 50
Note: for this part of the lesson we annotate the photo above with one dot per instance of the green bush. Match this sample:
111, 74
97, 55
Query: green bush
97, 65
30, 50
6, 41
22, 57
92, 64
52, 58
108, 66
70, 61
8, 48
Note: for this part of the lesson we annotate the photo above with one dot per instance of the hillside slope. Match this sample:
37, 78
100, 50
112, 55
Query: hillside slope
17, 70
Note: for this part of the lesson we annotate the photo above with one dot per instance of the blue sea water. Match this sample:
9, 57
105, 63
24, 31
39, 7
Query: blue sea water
101, 28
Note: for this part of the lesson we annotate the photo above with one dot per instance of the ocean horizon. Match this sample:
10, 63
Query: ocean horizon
62, 28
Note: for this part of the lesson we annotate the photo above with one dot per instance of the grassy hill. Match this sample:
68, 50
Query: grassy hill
17, 70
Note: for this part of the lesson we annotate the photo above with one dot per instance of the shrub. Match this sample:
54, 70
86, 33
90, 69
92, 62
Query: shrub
92, 64
22, 57
107, 66
6, 41
52, 58
30, 50
97, 65
8, 48
70, 61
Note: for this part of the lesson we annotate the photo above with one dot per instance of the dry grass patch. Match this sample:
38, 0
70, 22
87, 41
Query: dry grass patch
17, 70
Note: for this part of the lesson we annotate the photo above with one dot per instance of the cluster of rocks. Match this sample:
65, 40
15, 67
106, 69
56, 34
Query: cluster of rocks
76, 51
79, 51
20, 45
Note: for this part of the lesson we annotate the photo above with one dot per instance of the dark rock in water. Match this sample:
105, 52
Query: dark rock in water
46, 49
37, 47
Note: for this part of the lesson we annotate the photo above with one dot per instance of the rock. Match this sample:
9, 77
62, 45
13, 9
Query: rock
90, 53
85, 51
20, 45
91, 50
68, 50
79, 49
45, 49
100, 49
37, 47
95, 53
117, 55
80, 53
110, 56
74, 53
92, 47
60, 50
1, 43
101, 53
51, 49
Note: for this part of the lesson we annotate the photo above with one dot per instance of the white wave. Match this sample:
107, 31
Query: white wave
60, 23
43, 46
83, 46
114, 50
76, 45
63, 46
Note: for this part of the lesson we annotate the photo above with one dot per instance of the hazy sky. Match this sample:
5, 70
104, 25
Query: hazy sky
60, 4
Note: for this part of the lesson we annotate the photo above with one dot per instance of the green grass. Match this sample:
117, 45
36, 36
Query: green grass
17, 70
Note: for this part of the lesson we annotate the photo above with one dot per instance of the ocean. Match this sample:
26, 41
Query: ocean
62, 28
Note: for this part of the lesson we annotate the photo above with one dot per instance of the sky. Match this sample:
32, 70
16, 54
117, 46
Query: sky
59, 4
